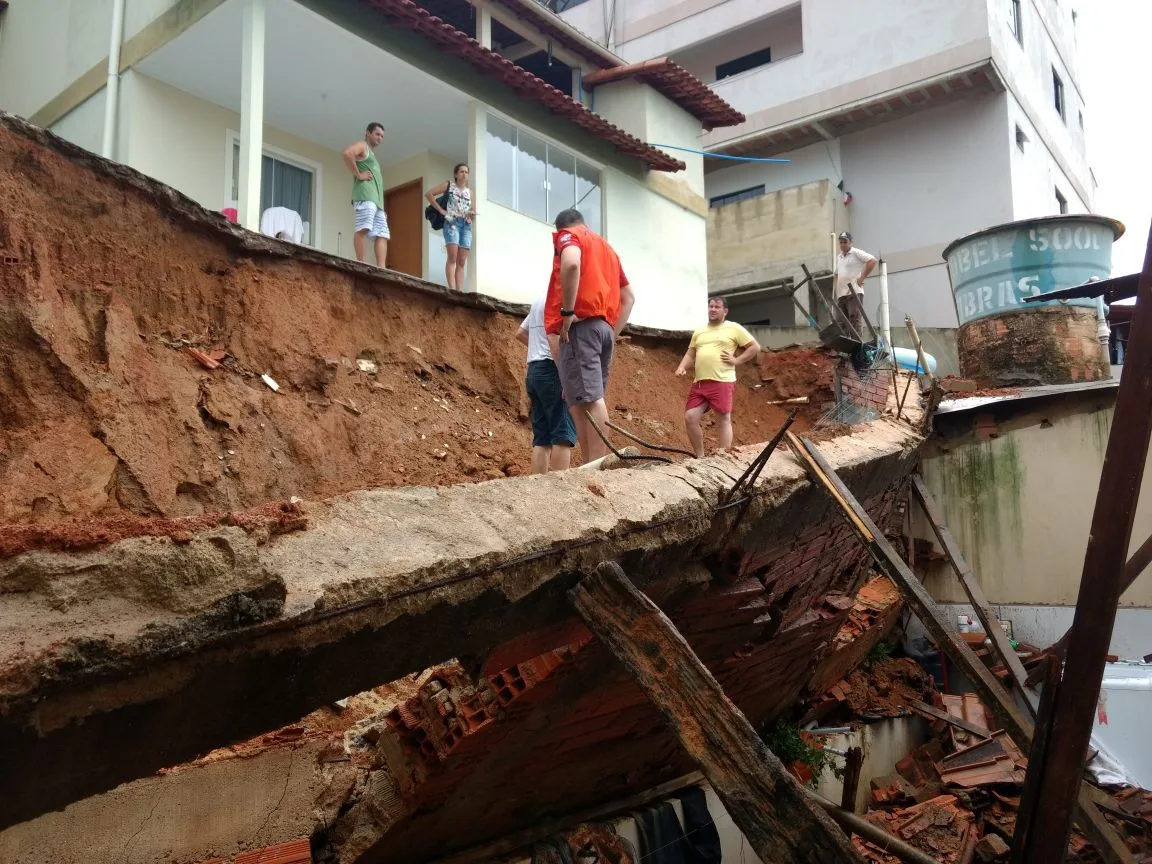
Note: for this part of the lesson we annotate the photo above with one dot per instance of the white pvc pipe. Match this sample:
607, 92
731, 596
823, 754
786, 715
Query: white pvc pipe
594, 464
112, 90
885, 318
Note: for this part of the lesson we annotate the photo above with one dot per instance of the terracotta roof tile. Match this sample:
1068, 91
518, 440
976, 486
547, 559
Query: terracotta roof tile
294, 852
677, 84
446, 38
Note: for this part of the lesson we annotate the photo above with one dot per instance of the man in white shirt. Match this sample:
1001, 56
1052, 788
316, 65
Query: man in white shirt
852, 268
553, 433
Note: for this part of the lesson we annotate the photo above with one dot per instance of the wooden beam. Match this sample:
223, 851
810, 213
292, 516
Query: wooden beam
936, 714
1110, 846
1000, 642
913, 591
853, 762
874, 834
765, 802
520, 50
1026, 817
1101, 584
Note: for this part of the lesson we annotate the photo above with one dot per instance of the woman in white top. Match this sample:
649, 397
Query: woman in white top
458, 216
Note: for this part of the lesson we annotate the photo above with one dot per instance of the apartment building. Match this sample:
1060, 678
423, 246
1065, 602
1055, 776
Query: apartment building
910, 124
244, 105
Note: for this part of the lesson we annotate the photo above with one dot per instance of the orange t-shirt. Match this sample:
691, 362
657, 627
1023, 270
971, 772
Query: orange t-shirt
601, 278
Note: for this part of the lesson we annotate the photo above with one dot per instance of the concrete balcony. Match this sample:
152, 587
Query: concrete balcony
857, 68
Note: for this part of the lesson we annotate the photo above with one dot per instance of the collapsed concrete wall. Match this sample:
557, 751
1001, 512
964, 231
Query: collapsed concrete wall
378, 585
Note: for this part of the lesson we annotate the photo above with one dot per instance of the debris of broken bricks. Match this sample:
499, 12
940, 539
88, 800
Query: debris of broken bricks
956, 796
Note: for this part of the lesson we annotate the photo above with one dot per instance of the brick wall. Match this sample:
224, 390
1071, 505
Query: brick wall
479, 758
862, 395
1040, 346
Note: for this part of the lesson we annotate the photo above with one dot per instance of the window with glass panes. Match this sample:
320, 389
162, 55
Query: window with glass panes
538, 179
282, 184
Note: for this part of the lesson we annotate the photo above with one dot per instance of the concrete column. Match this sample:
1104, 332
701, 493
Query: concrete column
483, 23
478, 162
251, 112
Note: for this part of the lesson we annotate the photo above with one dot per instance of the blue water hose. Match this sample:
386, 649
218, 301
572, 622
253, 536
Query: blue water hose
716, 155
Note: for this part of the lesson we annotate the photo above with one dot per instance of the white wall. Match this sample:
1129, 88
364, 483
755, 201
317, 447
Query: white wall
809, 164
46, 46
180, 140
919, 183
782, 33
514, 261
1028, 72
664, 251
1043, 625
138, 14
652, 117
843, 43
84, 125
1035, 173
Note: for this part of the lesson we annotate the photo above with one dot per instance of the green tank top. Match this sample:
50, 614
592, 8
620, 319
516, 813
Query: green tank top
369, 190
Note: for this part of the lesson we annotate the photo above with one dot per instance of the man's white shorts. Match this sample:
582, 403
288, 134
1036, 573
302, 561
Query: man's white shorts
372, 219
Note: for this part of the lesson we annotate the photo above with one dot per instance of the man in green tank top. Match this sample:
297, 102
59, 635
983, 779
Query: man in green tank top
368, 194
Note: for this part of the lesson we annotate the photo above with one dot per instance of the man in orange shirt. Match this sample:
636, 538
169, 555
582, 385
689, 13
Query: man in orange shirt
589, 301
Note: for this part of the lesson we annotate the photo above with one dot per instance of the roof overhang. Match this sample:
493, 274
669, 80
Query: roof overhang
971, 403
678, 85
982, 77
447, 39
551, 24
1112, 290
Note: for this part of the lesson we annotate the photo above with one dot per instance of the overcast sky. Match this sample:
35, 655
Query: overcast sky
1115, 59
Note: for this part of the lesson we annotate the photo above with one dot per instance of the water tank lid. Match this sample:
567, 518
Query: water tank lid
1115, 224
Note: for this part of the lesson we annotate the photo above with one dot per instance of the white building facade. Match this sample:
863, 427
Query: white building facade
937, 118
248, 104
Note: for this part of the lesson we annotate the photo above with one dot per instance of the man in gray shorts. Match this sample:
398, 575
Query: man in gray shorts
589, 301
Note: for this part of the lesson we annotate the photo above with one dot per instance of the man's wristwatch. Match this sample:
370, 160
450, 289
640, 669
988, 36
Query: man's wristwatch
567, 313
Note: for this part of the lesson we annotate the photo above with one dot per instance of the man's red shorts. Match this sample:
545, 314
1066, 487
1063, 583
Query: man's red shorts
716, 395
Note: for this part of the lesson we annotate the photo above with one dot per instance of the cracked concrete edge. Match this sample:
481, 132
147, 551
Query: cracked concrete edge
386, 553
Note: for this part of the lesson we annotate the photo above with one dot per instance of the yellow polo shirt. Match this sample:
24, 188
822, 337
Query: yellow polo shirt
710, 342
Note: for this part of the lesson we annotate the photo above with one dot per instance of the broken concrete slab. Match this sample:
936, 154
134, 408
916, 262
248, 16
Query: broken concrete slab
381, 584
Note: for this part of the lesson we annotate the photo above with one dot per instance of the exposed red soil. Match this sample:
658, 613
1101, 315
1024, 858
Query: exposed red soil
276, 517
796, 372
887, 687
103, 413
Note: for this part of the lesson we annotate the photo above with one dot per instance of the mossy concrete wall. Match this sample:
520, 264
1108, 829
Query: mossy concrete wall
1017, 486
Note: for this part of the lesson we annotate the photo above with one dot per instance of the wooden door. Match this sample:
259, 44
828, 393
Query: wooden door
405, 208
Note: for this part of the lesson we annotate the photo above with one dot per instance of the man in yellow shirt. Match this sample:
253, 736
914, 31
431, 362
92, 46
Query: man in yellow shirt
713, 354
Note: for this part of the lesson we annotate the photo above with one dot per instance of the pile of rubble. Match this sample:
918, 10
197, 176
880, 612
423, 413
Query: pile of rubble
956, 797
